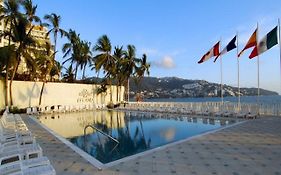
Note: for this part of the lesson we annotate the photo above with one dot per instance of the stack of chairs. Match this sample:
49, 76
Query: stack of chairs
19, 152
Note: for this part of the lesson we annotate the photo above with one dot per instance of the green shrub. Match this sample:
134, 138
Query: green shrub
16, 110
2, 111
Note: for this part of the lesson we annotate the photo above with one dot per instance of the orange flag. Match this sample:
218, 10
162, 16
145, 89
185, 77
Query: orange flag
252, 42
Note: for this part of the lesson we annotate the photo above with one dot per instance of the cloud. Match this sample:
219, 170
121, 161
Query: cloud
166, 62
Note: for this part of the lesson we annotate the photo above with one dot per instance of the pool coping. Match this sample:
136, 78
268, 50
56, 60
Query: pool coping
101, 165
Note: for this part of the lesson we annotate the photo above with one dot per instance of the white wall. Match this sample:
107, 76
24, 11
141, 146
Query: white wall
26, 94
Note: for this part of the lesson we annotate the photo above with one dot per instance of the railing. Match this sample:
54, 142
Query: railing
262, 109
100, 131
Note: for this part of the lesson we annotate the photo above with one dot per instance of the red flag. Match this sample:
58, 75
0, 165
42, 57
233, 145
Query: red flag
214, 51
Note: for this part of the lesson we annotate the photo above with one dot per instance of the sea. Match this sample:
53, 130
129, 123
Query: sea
244, 99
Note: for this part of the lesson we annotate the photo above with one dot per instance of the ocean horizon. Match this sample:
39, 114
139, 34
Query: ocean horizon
276, 99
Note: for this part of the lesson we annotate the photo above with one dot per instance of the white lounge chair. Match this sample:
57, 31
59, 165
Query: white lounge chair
15, 126
16, 143
251, 115
13, 164
240, 115
227, 114
11, 118
26, 152
34, 110
47, 109
26, 146
207, 113
11, 129
28, 111
61, 108
219, 113
7, 134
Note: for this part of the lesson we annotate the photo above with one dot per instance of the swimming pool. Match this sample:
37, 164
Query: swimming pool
135, 132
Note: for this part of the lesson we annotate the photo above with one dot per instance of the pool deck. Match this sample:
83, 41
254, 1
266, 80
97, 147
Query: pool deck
249, 148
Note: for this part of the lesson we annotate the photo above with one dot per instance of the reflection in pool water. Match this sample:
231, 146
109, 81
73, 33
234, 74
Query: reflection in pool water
135, 131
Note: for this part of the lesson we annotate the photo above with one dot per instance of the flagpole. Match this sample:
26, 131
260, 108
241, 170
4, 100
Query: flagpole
258, 63
238, 72
221, 79
279, 48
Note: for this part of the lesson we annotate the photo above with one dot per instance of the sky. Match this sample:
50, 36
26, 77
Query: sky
176, 34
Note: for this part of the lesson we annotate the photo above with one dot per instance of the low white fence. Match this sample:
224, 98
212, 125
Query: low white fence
262, 109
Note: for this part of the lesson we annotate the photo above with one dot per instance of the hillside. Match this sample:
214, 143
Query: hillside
173, 87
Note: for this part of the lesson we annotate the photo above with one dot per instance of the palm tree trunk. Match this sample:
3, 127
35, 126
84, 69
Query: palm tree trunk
110, 84
11, 81
7, 69
41, 92
83, 76
76, 71
55, 46
6, 85
120, 96
128, 89
117, 93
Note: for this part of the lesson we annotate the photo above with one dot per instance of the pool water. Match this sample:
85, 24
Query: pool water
135, 131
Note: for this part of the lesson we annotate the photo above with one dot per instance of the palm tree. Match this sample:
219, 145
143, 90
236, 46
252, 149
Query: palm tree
119, 74
23, 40
86, 56
9, 14
30, 11
45, 64
68, 76
72, 49
142, 68
54, 22
55, 70
130, 65
8, 60
104, 60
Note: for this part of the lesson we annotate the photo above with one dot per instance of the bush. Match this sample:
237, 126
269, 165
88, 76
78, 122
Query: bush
110, 105
2, 111
16, 110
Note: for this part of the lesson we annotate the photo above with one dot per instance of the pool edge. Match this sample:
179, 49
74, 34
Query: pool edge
100, 165
85, 155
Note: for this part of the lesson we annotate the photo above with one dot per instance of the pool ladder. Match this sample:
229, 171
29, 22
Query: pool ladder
100, 131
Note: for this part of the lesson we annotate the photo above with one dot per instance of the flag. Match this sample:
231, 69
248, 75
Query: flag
231, 45
266, 43
214, 51
251, 42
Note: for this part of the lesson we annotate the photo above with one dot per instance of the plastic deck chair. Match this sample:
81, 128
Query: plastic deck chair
13, 164
10, 134
25, 152
34, 110
14, 144
28, 111
11, 123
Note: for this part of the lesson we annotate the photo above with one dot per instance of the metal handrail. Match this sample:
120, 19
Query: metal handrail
100, 131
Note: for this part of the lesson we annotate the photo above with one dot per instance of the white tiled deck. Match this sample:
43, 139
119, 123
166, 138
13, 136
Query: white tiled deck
249, 148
